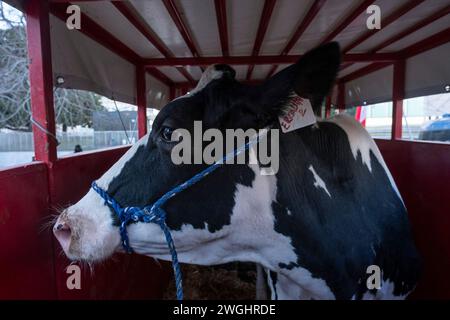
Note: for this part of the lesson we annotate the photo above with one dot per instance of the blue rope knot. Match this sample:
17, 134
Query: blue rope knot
156, 214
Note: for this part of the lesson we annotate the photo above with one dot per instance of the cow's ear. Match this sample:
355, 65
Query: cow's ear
312, 77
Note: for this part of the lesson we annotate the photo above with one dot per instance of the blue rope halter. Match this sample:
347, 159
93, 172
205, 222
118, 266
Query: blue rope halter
154, 213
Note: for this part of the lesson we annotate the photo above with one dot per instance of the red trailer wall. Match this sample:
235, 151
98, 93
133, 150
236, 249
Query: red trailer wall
26, 255
28, 269
422, 173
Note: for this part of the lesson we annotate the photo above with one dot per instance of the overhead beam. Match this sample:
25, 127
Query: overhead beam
347, 20
181, 26
384, 23
187, 86
258, 60
423, 23
159, 75
364, 71
97, 33
134, 18
419, 25
309, 17
429, 43
262, 28
221, 16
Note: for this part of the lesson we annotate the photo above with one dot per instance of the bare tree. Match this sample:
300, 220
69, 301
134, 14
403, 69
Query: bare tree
72, 107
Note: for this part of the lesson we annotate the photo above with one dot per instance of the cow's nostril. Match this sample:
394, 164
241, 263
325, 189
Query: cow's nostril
62, 226
63, 233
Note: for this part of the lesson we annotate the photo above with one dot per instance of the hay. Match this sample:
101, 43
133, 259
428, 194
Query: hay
235, 281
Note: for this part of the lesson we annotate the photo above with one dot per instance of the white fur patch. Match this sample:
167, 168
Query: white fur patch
386, 292
319, 183
209, 75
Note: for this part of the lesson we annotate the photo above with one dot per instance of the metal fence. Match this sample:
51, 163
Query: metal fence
23, 141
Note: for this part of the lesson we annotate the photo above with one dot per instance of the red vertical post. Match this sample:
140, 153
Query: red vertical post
41, 80
141, 98
172, 93
398, 94
341, 97
328, 106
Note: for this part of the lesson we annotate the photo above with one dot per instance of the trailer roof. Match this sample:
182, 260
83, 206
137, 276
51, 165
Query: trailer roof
175, 39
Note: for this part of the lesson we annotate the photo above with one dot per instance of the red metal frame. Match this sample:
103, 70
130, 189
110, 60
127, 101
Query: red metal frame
309, 17
328, 106
141, 100
398, 94
269, 5
221, 17
268, 59
341, 96
41, 80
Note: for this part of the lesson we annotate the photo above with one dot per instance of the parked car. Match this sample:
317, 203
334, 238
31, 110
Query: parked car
437, 130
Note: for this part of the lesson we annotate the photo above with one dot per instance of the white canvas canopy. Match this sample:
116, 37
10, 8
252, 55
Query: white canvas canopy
86, 64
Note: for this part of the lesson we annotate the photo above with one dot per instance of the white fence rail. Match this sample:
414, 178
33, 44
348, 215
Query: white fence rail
23, 141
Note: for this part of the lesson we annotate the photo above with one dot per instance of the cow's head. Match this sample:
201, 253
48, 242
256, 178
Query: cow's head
220, 218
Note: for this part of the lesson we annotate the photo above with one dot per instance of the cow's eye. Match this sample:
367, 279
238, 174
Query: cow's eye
166, 133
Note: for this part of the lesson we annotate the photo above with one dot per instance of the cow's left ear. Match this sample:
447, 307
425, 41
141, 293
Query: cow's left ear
312, 77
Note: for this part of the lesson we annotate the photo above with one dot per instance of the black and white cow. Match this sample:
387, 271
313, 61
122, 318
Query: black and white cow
331, 210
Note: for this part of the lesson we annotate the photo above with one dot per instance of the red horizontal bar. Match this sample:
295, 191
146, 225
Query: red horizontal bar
364, 71
221, 15
429, 43
188, 86
246, 60
384, 23
347, 20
